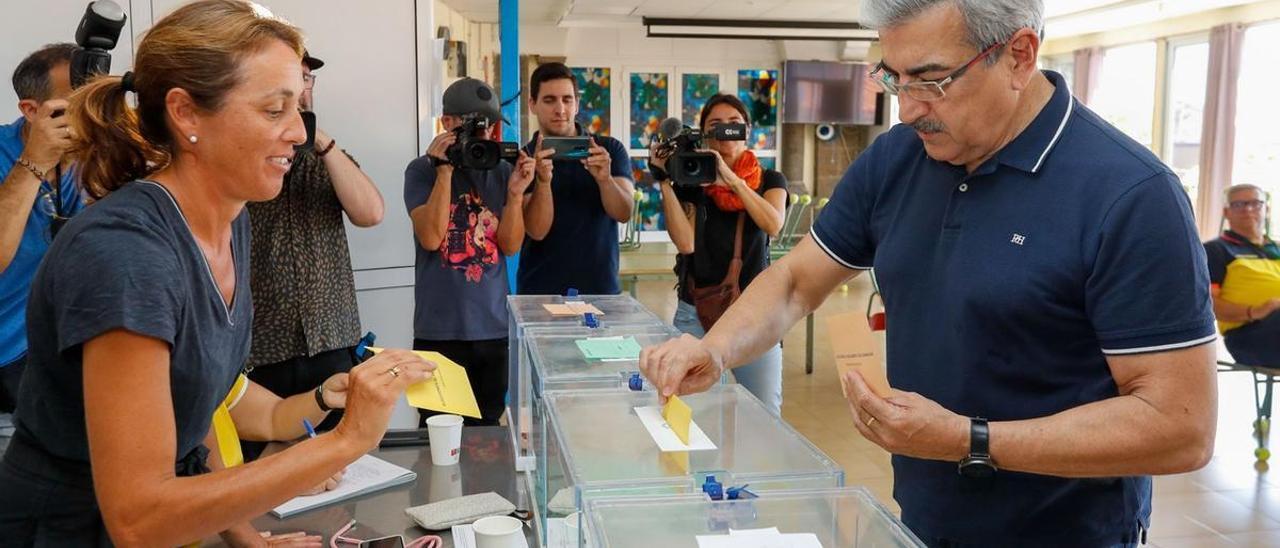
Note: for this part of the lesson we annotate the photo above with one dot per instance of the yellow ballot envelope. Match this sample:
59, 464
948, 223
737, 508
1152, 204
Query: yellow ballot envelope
447, 391
678, 415
856, 348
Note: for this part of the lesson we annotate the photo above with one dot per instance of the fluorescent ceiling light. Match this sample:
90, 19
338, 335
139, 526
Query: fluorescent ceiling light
756, 30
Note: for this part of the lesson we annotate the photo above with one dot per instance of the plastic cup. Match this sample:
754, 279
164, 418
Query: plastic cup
444, 432
499, 532
446, 483
571, 537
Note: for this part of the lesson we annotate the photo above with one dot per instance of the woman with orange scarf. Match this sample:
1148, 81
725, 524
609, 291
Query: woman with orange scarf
721, 229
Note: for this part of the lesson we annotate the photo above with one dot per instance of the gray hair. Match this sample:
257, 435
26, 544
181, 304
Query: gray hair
31, 78
1231, 190
989, 22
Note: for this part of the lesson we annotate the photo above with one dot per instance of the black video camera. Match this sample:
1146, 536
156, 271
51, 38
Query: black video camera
471, 151
97, 35
685, 164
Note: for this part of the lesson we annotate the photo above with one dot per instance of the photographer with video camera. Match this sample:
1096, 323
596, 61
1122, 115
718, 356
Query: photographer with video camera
466, 200
32, 198
721, 208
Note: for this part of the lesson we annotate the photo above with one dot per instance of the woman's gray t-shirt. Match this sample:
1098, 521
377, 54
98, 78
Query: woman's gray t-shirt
130, 262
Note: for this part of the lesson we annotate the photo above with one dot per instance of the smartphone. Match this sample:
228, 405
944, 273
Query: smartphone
393, 541
568, 148
308, 122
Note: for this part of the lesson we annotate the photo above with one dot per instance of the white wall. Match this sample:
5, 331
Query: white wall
55, 21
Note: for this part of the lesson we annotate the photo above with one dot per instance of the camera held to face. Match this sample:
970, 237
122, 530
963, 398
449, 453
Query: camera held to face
472, 151
686, 165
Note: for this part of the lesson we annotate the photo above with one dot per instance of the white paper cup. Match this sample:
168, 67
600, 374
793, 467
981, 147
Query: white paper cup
445, 435
499, 532
571, 539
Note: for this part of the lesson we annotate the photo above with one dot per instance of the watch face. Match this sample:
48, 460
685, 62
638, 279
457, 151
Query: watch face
977, 467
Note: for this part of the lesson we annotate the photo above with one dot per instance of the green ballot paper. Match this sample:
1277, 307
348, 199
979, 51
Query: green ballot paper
609, 348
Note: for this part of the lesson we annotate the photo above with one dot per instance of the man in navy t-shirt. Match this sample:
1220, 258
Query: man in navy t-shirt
575, 206
32, 196
1047, 300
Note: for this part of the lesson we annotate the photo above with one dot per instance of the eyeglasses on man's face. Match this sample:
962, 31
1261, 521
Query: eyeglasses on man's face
1246, 205
926, 90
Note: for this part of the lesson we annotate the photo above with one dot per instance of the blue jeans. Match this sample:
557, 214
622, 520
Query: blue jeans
762, 377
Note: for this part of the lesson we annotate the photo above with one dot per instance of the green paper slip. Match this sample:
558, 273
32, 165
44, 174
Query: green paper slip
609, 348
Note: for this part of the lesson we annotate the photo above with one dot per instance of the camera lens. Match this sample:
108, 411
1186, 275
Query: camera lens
692, 167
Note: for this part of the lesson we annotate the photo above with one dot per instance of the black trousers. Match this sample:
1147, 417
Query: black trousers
10, 376
298, 375
1257, 343
46, 501
486, 365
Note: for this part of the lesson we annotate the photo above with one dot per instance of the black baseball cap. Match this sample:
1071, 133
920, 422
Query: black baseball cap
313, 63
472, 96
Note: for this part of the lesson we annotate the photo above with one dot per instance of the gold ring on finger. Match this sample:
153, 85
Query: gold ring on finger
395, 371
871, 421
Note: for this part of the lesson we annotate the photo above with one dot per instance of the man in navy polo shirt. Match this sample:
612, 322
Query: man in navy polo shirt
31, 195
575, 206
1040, 270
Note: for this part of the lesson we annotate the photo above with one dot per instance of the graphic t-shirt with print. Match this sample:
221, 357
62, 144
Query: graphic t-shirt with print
460, 289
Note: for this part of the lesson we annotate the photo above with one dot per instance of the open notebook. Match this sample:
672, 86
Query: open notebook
365, 475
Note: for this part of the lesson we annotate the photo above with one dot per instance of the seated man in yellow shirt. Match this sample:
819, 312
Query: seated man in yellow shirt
1244, 266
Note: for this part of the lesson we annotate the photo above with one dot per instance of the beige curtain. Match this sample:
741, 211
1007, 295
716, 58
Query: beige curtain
1088, 65
1217, 137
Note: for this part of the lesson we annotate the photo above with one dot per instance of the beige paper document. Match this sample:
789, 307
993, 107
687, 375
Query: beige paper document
575, 308
855, 348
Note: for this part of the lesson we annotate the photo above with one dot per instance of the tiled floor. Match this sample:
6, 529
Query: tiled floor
1231, 502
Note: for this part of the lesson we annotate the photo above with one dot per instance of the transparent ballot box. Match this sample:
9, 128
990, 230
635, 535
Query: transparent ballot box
559, 362
599, 447
529, 311
837, 518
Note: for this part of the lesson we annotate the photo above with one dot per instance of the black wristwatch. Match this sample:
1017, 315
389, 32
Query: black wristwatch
978, 464
320, 399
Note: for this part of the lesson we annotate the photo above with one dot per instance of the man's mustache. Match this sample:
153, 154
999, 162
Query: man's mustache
928, 126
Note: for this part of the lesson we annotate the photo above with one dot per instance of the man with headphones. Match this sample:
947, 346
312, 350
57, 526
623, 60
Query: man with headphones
1244, 267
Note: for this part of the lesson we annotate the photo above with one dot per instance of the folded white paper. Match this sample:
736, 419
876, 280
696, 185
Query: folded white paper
366, 475
758, 540
667, 440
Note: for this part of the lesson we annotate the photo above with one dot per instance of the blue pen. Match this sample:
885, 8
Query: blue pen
311, 430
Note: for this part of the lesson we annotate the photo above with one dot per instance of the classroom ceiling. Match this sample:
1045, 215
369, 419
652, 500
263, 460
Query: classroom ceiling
1063, 17
605, 11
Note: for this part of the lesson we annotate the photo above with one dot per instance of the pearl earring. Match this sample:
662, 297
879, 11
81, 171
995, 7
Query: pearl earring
193, 139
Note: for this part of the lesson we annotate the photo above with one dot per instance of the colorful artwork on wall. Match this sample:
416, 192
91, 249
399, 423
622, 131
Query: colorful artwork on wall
695, 90
650, 199
759, 90
650, 98
593, 103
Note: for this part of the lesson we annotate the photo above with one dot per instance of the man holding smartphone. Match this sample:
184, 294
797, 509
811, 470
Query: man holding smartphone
32, 198
573, 211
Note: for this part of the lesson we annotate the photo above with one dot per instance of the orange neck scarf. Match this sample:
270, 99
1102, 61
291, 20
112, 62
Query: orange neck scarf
747, 167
